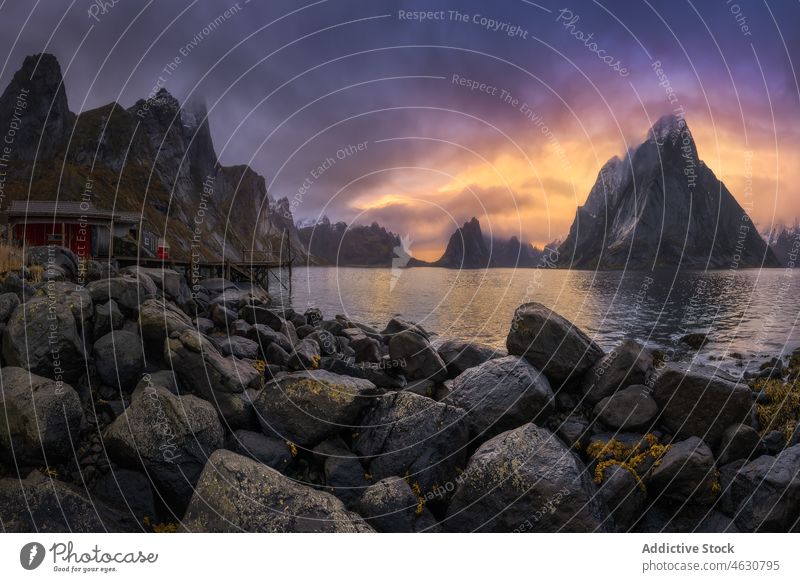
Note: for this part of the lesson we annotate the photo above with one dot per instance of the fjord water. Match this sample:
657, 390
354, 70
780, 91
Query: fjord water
753, 312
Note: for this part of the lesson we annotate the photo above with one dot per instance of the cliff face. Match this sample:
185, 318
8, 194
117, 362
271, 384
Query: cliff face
785, 243
469, 249
343, 245
156, 158
662, 206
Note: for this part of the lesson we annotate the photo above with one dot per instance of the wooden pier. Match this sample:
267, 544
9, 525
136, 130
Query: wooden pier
259, 267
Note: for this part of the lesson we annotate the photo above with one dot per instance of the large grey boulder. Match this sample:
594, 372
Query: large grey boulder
551, 343
345, 476
308, 407
407, 434
628, 409
272, 452
219, 380
739, 441
390, 506
686, 472
502, 394
420, 361
459, 355
38, 504
623, 495
700, 401
119, 359
169, 436
129, 292
49, 256
526, 480
40, 418
159, 319
630, 363
237, 494
45, 334
766, 493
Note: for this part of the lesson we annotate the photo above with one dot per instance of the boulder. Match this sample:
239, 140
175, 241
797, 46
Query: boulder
627, 409
326, 342
397, 325
739, 441
8, 303
623, 495
344, 474
628, 364
49, 256
39, 504
367, 349
766, 493
169, 436
305, 356
308, 407
264, 335
45, 334
40, 419
700, 401
261, 315
159, 319
460, 355
107, 318
410, 435
129, 292
502, 394
237, 494
551, 343
272, 452
390, 506
421, 361
119, 359
237, 346
686, 472
526, 480
685, 518
222, 316
219, 380
128, 490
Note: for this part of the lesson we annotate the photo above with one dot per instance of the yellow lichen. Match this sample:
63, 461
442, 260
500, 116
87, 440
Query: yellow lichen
629, 457
292, 448
783, 407
260, 366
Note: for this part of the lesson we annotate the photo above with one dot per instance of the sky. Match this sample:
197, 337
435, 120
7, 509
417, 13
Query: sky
421, 114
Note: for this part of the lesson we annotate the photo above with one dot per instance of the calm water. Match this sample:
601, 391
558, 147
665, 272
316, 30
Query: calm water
753, 312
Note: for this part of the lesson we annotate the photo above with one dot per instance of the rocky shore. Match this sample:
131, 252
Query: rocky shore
132, 403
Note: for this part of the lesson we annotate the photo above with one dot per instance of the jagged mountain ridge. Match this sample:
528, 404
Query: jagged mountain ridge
154, 158
662, 207
468, 248
354, 245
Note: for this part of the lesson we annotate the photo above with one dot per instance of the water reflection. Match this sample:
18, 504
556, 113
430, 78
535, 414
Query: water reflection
753, 312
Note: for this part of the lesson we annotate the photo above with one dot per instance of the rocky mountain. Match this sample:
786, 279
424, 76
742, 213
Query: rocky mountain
662, 206
468, 248
354, 245
155, 158
785, 243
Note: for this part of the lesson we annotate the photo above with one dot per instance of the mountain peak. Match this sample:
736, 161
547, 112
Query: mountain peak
36, 94
668, 127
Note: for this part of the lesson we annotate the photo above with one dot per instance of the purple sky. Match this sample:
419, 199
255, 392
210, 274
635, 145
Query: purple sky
291, 84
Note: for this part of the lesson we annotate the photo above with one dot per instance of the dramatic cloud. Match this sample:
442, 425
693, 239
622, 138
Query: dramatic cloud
505, 111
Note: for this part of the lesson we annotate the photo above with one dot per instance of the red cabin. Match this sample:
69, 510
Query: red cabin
79, 226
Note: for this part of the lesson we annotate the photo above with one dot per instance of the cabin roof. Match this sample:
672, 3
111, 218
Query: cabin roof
65, 211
